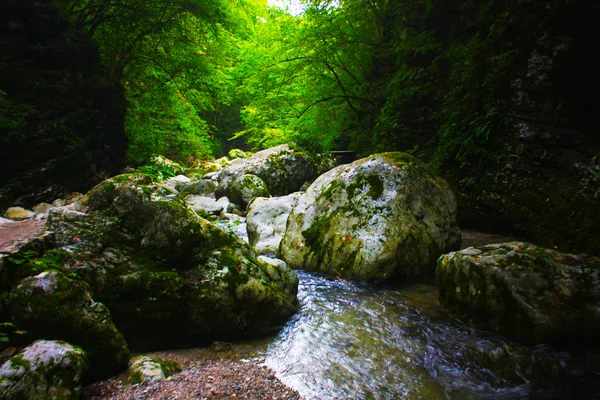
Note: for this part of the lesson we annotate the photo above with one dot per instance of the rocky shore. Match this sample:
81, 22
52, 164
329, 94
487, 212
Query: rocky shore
205, 375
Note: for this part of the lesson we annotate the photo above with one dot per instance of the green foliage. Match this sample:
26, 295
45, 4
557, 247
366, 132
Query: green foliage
13, 119
157, 172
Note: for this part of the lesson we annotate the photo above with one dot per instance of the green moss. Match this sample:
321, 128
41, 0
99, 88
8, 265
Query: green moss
333, 186
314, 234
373, 182
19, 362
405, 159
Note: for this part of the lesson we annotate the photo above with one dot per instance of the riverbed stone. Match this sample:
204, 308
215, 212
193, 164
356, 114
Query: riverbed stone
149, 369
52, 306
18, 214
206, 205
382, 216
528, 293
202, 187
46, 369
267, 221
247, 187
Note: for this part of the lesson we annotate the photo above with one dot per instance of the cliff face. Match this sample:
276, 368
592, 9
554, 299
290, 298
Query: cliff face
61, 121
547, 184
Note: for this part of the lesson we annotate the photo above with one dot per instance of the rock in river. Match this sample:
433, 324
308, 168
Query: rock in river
525, 292
378, 217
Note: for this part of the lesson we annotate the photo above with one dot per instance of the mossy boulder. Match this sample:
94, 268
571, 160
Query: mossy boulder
170, 277
202, 187
247, 187
44, 370
525, 292
267, 221
382, 216
52, 306
18, 213
283, 169
147, 368
236, 153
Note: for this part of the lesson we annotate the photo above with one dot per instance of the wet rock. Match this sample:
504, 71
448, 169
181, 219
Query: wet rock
247, 187
44, 370
146, 368
283, 169
18, 214
267, 221
378, 217
52, 306
525, 292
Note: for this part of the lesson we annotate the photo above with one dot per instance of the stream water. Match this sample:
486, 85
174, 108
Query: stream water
352, 341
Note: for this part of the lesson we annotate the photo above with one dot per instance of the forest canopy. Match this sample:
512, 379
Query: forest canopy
200, 76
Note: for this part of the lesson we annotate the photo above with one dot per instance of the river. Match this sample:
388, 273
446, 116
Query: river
355, 341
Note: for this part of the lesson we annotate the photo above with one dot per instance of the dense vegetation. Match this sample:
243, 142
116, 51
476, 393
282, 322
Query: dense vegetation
498, 96
357, 74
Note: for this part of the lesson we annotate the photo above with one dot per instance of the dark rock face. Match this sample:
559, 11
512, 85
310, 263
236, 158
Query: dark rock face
525, 292
547, 187
61, 120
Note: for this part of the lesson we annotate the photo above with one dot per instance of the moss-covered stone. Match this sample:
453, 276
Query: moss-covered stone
170, 277
247, 187
147, 368
52, 306
528, 293
382, 216
284, 169
44, 370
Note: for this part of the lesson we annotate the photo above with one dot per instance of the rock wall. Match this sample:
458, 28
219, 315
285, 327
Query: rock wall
61, 121
547, 185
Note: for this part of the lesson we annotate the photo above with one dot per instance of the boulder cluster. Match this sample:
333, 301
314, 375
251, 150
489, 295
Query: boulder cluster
165, 256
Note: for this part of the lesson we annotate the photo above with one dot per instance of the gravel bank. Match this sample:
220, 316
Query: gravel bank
205, 375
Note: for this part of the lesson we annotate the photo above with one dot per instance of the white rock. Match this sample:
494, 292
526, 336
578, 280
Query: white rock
205, 204
380, 216
267, 219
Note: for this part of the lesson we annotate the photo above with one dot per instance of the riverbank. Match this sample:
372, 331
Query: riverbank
206, 374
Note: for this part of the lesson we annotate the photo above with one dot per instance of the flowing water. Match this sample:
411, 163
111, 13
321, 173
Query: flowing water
352, 341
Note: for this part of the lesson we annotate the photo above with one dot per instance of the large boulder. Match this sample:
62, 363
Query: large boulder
267, 221
44, 370
52, 306
170, 277
528, 293
380, 216
283, 169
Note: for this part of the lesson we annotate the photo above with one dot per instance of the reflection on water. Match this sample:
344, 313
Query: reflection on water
359, 342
